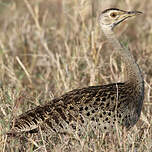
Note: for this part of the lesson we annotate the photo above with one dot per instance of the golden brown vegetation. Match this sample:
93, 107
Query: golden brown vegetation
50, 47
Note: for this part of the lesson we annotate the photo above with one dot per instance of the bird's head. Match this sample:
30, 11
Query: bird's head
109, 18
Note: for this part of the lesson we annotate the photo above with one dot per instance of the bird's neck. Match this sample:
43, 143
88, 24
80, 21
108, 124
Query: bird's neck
134, 75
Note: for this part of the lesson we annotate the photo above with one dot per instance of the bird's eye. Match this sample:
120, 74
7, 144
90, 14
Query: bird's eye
113, 15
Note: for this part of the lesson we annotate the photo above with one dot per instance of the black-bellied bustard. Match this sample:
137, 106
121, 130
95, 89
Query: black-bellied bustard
101, 105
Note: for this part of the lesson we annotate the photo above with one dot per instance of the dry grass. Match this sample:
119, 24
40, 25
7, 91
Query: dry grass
50, 47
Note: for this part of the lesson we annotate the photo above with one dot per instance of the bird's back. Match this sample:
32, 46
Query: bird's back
101, 106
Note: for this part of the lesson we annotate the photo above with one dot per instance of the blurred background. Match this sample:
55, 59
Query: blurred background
50, 47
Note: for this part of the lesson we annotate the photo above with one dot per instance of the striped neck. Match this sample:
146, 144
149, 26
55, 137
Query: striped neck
134, 75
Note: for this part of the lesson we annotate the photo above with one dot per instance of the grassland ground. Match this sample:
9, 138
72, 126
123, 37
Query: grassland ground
50, 47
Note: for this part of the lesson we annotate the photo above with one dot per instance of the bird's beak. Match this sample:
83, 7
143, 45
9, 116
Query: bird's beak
132, 13
127, 14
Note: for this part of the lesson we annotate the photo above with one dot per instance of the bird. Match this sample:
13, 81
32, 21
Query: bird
101, 106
